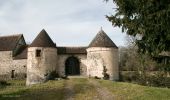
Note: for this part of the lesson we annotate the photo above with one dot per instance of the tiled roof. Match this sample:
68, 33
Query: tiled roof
102, 40
71, 50
42, 40
8, 43
22, 53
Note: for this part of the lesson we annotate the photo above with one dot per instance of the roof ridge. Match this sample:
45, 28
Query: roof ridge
11, 35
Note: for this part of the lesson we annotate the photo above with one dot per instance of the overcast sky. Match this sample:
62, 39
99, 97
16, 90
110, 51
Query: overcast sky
68, 22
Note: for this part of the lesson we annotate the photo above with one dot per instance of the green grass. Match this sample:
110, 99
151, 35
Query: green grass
47, 91
82, 90
128, 91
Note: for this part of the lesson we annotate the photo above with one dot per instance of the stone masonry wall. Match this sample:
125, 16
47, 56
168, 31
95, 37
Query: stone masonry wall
98, 58
38, 68
7, 64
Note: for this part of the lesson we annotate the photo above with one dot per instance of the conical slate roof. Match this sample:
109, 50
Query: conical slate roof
42, 40
102, 40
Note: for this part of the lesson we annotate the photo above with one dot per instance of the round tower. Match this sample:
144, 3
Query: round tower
41, 60
102, 57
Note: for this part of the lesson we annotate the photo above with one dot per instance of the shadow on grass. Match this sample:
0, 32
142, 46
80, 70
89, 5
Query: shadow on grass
51, 90
18, 91
4, 84
45, 94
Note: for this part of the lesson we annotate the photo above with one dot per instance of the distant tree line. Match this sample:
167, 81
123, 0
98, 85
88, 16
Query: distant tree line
143, 68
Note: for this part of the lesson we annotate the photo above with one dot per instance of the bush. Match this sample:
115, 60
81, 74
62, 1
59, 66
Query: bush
53, 75
129, 76
156, 80
96, 77
3, 83
105, 74
64, 77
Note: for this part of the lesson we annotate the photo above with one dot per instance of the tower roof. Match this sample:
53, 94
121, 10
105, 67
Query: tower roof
102, 40
42, 40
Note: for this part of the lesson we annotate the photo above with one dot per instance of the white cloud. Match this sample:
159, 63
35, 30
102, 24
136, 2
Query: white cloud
68, 22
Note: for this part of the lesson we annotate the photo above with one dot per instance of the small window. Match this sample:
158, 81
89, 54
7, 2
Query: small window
38, 53
12, 73
25, 75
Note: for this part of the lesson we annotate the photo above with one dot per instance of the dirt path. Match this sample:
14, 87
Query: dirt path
68, 91
103, 93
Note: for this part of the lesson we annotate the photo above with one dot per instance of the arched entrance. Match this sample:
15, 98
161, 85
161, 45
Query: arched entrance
72, 66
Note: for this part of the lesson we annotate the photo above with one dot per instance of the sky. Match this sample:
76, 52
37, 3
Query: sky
68, 22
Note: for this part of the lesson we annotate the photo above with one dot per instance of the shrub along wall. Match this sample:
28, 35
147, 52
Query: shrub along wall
158, 79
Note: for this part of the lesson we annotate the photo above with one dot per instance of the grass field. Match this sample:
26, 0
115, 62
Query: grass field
82, 89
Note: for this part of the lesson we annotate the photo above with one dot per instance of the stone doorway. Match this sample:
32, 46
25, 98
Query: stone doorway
72, 66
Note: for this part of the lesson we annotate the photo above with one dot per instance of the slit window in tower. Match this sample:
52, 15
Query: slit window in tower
12, 73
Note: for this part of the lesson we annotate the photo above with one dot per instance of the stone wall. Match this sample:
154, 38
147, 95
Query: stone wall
98, 58
7, 64
62, 59
38, 68
20, 68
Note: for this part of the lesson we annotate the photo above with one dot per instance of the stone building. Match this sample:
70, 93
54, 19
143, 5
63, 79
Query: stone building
37, 60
